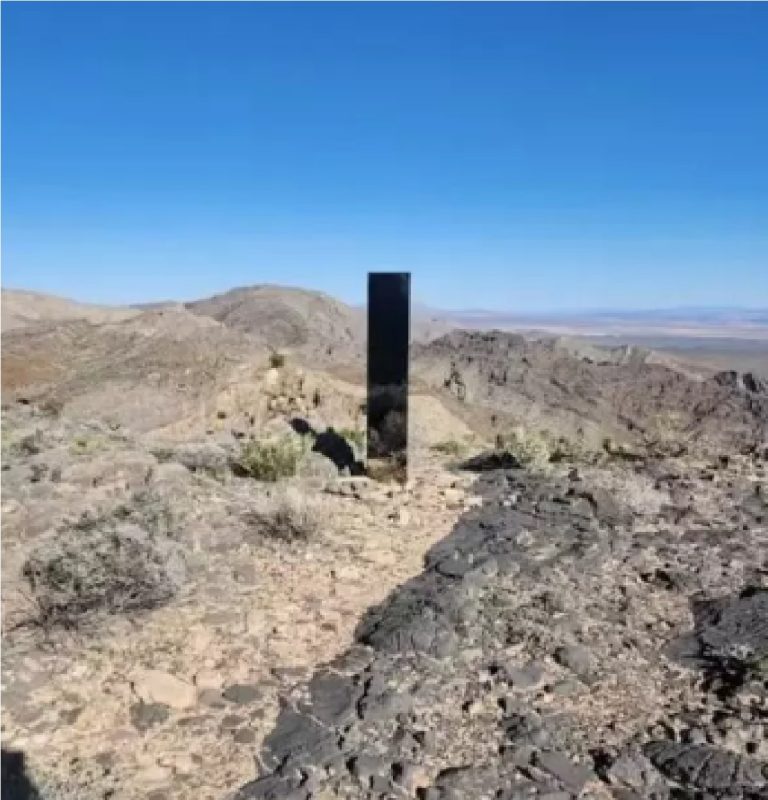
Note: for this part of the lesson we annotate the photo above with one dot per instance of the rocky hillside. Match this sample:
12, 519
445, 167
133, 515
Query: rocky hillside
311, 323
20, 309
589, 393
145, 372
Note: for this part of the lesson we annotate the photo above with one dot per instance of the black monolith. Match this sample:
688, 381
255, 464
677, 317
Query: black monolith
389, 314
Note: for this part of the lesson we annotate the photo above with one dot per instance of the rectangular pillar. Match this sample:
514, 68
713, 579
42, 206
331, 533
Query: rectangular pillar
389, 316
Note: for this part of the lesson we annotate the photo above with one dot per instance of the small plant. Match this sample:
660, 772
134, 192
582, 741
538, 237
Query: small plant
450, 447
564, 449
287, 516
270, 460
52, 407
530, 448
276, 360
353, 435
103, 565
84, 445
162, 453
620, 450
667, 433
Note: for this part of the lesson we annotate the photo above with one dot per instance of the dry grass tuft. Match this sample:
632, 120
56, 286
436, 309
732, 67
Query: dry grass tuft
119, 563
288, 516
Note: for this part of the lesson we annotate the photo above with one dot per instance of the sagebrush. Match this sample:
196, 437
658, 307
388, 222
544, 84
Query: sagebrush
271, 460
114, 564
287, 516
450, 447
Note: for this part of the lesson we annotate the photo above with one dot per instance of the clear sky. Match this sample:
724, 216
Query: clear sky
512, 156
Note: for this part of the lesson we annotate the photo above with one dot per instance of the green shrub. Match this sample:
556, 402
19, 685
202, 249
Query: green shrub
270, 460
354, 436
85, 445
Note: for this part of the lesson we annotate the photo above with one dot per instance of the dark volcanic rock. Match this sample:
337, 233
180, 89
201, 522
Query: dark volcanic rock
447, 693
706, 767
730, 637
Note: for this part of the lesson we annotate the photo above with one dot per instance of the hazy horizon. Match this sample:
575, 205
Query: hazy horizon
425, 306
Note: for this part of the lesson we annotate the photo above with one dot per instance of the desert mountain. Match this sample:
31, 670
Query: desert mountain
174, 363
312, 323
21, 309
590, 393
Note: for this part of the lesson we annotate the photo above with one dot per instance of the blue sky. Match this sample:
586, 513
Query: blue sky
512, 156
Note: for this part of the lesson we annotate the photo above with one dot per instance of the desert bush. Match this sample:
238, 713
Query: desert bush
276, 360
103, 565
667, 433
164, 454
52, 407
538, 448
563, 448
204, 458
272, 459
530, 448
354, 436
85, 445
450, 447
621, 450
287, 516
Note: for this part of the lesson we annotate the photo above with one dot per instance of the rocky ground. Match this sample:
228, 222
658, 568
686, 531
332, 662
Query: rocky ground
596, 633
171, 701
581, 613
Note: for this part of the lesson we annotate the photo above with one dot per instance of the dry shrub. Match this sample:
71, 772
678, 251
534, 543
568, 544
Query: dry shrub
288, 516
354, 436
530, 448
536, 449
637, 491
450, 447
105, 565
667, 433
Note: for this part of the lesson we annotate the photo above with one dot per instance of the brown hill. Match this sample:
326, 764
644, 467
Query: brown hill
146, 371
284, 318
20, 309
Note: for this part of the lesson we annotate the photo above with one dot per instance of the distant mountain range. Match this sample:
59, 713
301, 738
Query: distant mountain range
249, 305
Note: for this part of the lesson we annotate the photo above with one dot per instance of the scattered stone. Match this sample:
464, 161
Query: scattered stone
244, 736
241, 693
146, 715
576, 658
574, 777
153, 686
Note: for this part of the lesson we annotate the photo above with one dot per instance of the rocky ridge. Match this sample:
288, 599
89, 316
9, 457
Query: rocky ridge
499, 379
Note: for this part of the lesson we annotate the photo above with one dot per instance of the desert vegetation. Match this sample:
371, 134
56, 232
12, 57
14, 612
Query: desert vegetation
120, 562
271, 459
288, 514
